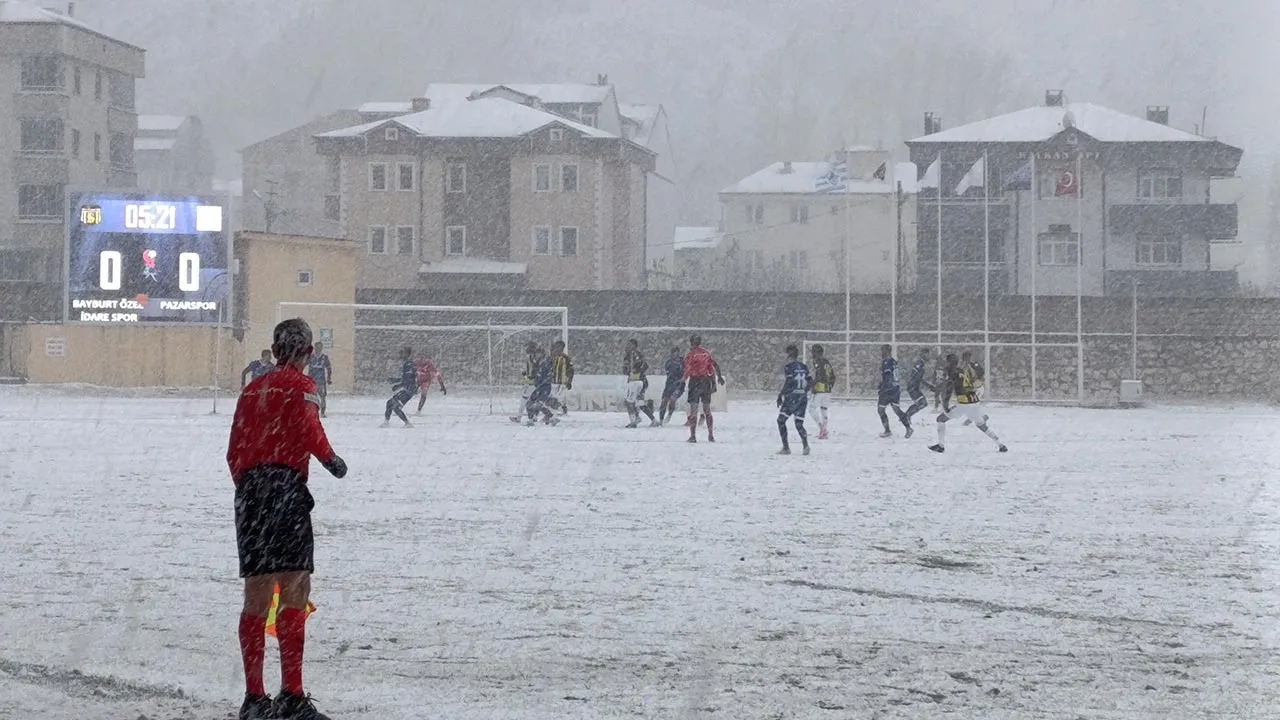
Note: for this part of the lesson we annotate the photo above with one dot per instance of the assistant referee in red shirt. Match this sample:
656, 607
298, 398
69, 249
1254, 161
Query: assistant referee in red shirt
275, 433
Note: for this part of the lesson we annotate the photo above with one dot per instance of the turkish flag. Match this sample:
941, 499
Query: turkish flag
1068, 183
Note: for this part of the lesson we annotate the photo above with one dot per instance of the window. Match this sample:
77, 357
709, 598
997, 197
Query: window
40, 201
391, 134
42, 135
755, 214
121, 90
795, 260
455, 179
405, 173
542, 241
304, 277
557, 134
97, 85
377, 240
332, 207
800, 214
377, 176
569, 178
455, 240
1159, 184
121, 150
804, 259
1159, 250
75, 143
97, 146
405, 237
541, 178
589, 118
568, 241
1060, 246
42, 72
75, 79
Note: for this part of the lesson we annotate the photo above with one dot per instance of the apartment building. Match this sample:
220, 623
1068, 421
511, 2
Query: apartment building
71, 122
1128, 199
827, 226
489, 190
172, 154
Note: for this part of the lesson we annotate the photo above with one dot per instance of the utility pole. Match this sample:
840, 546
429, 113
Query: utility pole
270, 208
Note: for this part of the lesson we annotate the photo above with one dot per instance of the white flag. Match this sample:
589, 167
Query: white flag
976, 177
932, 176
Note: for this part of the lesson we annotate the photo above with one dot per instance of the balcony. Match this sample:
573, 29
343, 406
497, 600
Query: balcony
1218, 221
1173, 283
41, 103
41, 168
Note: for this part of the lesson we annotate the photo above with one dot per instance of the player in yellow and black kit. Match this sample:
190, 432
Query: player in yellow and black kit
637, 372
561, 376
824, 381
532, 355
961, 387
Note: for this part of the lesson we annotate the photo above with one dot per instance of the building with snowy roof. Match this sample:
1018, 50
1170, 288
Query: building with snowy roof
1130, 199
173, 154
827, 226
490, 191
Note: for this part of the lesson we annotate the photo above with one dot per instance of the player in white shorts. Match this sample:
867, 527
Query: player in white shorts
636, 370
960, 387
979, 376
532, 357
824, 379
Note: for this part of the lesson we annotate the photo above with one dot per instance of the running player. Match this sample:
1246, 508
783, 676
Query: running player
256, 369
890, 392
531, 357
967, 404
274, 434
979, 375
824, 380
561, 376
636, 370
701, 372
914, 382
674, 388
426, 372
403, 389
793, 398
321, 370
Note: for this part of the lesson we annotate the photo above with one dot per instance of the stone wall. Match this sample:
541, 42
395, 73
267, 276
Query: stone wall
1187, 349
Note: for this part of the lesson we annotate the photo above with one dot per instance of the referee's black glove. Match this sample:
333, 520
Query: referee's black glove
335, 466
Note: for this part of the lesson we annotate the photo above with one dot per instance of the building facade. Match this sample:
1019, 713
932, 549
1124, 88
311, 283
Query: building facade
490, 191
1126, 199
819, 226
71, 122
173, 154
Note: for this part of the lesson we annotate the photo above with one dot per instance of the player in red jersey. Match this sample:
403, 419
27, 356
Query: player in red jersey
275, 433
426, 373
700, 375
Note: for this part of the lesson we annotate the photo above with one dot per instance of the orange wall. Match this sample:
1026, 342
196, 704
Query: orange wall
130, 355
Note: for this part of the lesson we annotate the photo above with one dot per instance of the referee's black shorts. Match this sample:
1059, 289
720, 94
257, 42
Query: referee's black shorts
273, 522
700, 389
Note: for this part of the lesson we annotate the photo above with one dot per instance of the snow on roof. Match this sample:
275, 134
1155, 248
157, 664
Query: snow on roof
548, 93
473, 266
696, 238
19, 11
168, 123
234, 187
394, 107
644, 117
1036, 124
148, 143
482, 118
802, 179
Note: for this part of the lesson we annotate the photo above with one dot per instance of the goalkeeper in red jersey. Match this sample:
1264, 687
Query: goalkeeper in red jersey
427, 372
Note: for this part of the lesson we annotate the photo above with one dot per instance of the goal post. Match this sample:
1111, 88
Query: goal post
478, 349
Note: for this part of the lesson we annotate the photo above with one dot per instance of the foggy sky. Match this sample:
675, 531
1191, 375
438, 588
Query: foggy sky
744, 82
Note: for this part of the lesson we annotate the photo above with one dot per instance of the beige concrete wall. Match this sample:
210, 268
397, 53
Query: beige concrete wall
129, 355
555, 210
364, 208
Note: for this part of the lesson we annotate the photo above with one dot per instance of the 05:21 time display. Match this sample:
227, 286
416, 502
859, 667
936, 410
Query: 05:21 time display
111, 272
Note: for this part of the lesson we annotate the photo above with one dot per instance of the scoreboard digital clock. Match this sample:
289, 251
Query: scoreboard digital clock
139, 257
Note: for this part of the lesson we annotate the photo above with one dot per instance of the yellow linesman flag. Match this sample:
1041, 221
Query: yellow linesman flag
275, 605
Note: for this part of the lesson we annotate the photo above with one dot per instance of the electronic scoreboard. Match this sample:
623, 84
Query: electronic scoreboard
143, 257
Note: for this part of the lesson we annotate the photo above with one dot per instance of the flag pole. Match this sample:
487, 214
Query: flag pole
1035, 262
986, 267
1079, 279
939, 259
893, 280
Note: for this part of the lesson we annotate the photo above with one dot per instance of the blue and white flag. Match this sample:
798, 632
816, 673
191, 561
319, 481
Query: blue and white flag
1020, 179
835, 180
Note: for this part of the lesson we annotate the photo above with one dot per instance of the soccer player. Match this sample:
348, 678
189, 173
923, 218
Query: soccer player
978, 374
793, 398
320, 370
671, 392
960, 386
701, 372
256, 369
561, 376
275, 432
824, 379
426, 372
890, 392
540, 396
636, 370
914, 382
532, 354
403, 389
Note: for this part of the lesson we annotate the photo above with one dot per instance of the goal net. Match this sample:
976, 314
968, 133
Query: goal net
479, 350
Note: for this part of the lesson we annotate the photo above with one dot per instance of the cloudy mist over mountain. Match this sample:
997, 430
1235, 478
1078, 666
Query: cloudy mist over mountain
744, 83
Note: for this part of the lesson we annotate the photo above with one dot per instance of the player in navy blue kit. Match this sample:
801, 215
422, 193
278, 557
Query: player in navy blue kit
916, 381
890, 392
793, 399
256, 369
674, 368
540, 396
405, 387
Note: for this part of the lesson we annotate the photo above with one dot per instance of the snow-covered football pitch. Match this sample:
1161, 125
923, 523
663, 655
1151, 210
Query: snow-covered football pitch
1114, 564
